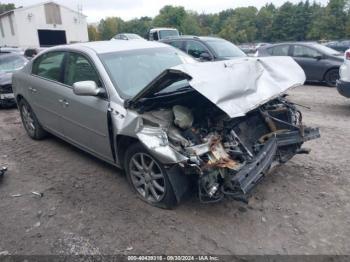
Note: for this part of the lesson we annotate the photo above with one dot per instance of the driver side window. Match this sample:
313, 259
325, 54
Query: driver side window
79, 69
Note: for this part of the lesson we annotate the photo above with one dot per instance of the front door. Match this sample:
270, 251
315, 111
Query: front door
85, 117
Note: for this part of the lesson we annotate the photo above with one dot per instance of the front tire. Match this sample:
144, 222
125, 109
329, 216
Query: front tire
30, 122
331, 77
148, 177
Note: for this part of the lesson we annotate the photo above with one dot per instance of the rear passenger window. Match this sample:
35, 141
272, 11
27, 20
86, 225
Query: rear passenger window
49, 66
79, 69
281, 50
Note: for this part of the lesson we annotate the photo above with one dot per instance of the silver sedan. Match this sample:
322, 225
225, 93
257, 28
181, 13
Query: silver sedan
173, 124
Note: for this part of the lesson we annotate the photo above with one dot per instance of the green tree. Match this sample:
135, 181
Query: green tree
314, 31
93, 33
6, 7
207, 22
264, 20
189, 25
109, 27
138, 26
170, 16
240, 25
289, 22
283, 26
331, 22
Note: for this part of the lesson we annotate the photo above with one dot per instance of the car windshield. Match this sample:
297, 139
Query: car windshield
168, 33
326, 50
11, 62
131, 71
224, 49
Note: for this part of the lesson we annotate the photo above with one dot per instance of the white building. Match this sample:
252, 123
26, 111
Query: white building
44, 24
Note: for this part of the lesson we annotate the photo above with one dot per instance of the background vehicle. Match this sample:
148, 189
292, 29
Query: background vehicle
156, 34
32, 52
247, 48
127, 36
9, 63
165, 118
206, 48
343, 84
340, 46
6, 49
319, 62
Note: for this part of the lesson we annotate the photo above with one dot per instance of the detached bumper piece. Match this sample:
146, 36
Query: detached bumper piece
297, 136
249, 176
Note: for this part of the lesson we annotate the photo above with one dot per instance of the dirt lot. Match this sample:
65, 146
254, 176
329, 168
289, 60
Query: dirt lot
88, 207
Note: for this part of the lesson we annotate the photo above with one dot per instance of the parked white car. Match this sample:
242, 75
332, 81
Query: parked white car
343, 84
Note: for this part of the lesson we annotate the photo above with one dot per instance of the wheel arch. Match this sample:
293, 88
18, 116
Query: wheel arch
122, 142
19, 97
329, 69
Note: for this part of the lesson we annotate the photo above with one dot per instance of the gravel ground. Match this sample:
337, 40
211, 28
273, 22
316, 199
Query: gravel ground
303, 207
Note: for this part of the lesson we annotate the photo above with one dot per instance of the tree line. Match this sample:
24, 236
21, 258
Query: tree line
6, 7
289, 22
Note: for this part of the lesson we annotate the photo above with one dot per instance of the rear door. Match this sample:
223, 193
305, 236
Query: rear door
311, 61
85, 117
44, 90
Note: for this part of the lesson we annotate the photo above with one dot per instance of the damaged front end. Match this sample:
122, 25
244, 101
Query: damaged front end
227, 149
228, 156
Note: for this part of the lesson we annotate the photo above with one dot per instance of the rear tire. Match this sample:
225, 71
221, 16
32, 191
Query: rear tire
331, 77
148, 177
30, 122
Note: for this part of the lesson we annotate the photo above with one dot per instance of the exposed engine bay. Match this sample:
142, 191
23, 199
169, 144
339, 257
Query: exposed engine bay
228, 155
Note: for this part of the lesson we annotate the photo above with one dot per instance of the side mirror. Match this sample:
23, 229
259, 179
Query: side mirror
87, 88
205, 56
318, 57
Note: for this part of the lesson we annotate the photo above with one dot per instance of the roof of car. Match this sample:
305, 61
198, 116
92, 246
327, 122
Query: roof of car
162, 28
289, 43
101, 47
185, 37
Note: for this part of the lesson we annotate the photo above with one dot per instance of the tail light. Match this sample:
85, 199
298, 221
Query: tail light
347, 55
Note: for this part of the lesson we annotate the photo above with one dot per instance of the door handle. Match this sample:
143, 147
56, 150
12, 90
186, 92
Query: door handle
64, 102
31, 89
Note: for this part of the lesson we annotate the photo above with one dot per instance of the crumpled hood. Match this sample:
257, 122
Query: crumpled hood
236, 86
240, 85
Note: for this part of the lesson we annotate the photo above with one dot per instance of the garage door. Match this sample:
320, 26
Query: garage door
52, 37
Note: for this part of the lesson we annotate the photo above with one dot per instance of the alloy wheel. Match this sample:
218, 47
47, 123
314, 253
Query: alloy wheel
147, 177
332, 77
28, 119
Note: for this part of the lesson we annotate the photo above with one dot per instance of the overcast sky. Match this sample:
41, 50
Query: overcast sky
128, 9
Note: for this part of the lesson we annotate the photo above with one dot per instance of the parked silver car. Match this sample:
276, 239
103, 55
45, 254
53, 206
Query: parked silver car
169, 121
